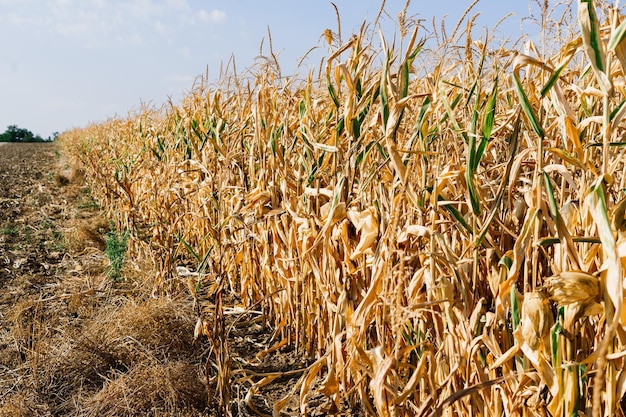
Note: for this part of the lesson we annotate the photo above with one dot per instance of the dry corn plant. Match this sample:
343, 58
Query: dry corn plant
444, 238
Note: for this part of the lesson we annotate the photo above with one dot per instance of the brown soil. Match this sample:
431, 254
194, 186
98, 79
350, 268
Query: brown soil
75, 342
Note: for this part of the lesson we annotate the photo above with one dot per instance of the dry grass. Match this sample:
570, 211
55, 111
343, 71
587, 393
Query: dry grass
397, 217
120, 358
151, 389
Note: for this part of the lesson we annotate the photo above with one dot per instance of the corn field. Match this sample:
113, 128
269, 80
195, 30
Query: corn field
438, 221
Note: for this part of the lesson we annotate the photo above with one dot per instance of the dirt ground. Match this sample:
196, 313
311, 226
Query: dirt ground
74, 342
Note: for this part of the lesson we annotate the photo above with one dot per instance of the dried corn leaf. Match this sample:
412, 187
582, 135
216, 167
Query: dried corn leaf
366, 224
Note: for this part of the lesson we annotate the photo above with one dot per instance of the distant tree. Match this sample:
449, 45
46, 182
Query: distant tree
18, 134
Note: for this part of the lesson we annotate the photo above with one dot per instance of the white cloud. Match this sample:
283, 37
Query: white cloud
177, 4
214, 16
68, 104
97, 24
183, 80
23, 21
73, 29
133, 39
143, 9
163, 30
185, 52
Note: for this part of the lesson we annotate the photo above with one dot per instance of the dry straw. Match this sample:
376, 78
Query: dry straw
435, 223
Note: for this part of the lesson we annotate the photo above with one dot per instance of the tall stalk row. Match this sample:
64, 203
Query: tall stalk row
440, 228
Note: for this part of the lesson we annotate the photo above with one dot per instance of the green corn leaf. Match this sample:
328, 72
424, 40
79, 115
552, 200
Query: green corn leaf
457, 215
189, 248
616, 110
276, 134
331, 91
361, 155
506, 261
488, 123
474, 86
473, 194
527, 108
406, 71
554, 211
515, 311
547, 241
598, 144
574, 369
472, 164
480, 150
384, 99
356, 127
422, 112
617, 36
592, 42
340, 126
156, 154
382, 150
556, 330
302, 109
452, 105
553, 79
358, 88
490, 112
590, 33
596, 200
513, 143
471, 93
449, 113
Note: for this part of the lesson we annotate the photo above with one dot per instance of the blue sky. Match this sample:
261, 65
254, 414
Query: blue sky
66, 63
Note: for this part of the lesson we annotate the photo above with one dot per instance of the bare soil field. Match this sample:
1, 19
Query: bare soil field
74, 342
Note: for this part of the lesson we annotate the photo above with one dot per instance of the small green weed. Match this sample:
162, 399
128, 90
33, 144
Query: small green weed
87, 202
9, 230
116, 246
